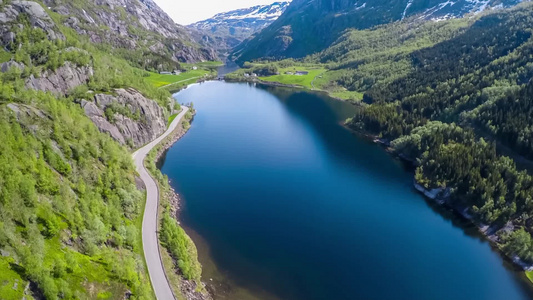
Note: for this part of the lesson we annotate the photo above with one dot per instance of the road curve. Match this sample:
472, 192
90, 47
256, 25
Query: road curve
149, 227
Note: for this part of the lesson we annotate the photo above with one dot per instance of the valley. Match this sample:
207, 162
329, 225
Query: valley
276, 188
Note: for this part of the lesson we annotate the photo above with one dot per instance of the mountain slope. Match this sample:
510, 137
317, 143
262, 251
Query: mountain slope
72, 106
309, 26
139, 26
226, 30
454, 98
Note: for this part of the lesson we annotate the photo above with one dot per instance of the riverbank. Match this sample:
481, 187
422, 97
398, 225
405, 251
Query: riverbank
443, 198
279, 84
262, 184
183, 288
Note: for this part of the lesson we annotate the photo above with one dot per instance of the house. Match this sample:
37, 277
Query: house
176, 72
300, 73
165, 73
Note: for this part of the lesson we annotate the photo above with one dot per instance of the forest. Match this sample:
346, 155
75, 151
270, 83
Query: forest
461, 100
70, 207
455, 98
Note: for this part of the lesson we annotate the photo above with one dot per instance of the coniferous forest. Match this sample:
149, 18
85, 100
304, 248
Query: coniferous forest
462, 102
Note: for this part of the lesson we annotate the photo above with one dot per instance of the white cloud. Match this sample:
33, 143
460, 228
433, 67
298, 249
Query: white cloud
189, 11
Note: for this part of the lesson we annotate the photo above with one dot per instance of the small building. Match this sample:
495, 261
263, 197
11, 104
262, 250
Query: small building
289, 73
176, 72
195, 68
254, 75
165, 73
300, 73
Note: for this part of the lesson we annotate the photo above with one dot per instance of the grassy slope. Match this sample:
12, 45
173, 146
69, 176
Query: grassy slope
189, 76
300, 80
362, 58
63, 246
160, 80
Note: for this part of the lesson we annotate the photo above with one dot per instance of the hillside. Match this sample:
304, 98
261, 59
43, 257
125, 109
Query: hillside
452, 97
73, 103
309, 26
138, 30
226, 30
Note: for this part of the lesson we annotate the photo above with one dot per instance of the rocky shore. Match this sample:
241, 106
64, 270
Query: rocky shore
442, 197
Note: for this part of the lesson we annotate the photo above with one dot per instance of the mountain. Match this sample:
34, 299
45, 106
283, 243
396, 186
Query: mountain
226, 30
309, 26
137, 25
74, 103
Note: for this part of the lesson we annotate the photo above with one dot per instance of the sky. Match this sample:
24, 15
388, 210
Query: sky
185, 12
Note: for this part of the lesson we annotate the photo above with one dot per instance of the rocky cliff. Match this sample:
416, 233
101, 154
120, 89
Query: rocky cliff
131, 24
128, 116
62, 80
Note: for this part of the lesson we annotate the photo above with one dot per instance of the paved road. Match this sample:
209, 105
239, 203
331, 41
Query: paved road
149, 228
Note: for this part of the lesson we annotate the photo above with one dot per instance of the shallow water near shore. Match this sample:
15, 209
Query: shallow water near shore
284, 203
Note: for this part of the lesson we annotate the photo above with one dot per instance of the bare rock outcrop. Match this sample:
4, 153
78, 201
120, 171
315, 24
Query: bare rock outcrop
142, 122
62, 80
37, 16
132, 24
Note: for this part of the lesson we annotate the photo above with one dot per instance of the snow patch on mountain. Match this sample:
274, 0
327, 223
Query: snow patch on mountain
262, 14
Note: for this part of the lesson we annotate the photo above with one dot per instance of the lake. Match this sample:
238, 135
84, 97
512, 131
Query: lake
285, 203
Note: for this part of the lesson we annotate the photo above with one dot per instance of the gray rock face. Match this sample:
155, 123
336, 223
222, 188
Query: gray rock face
6, 66
38, 17
132, 24
151, 124
60, 81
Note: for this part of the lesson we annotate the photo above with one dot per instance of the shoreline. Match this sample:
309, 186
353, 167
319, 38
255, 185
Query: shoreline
188, 288
438, 196
279, 84
441, 198
212, 287
150, 222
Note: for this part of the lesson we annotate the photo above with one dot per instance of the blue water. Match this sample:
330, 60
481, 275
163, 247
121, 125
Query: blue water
286, 203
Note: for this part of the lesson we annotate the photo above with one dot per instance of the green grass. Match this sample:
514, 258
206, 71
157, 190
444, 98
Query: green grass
171, 118
160, 80
5, 56
8, 279
325, 82
85, 274
204, 64
529, 275
300, 80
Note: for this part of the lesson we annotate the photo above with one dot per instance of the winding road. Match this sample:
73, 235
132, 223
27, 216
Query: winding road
150, 220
